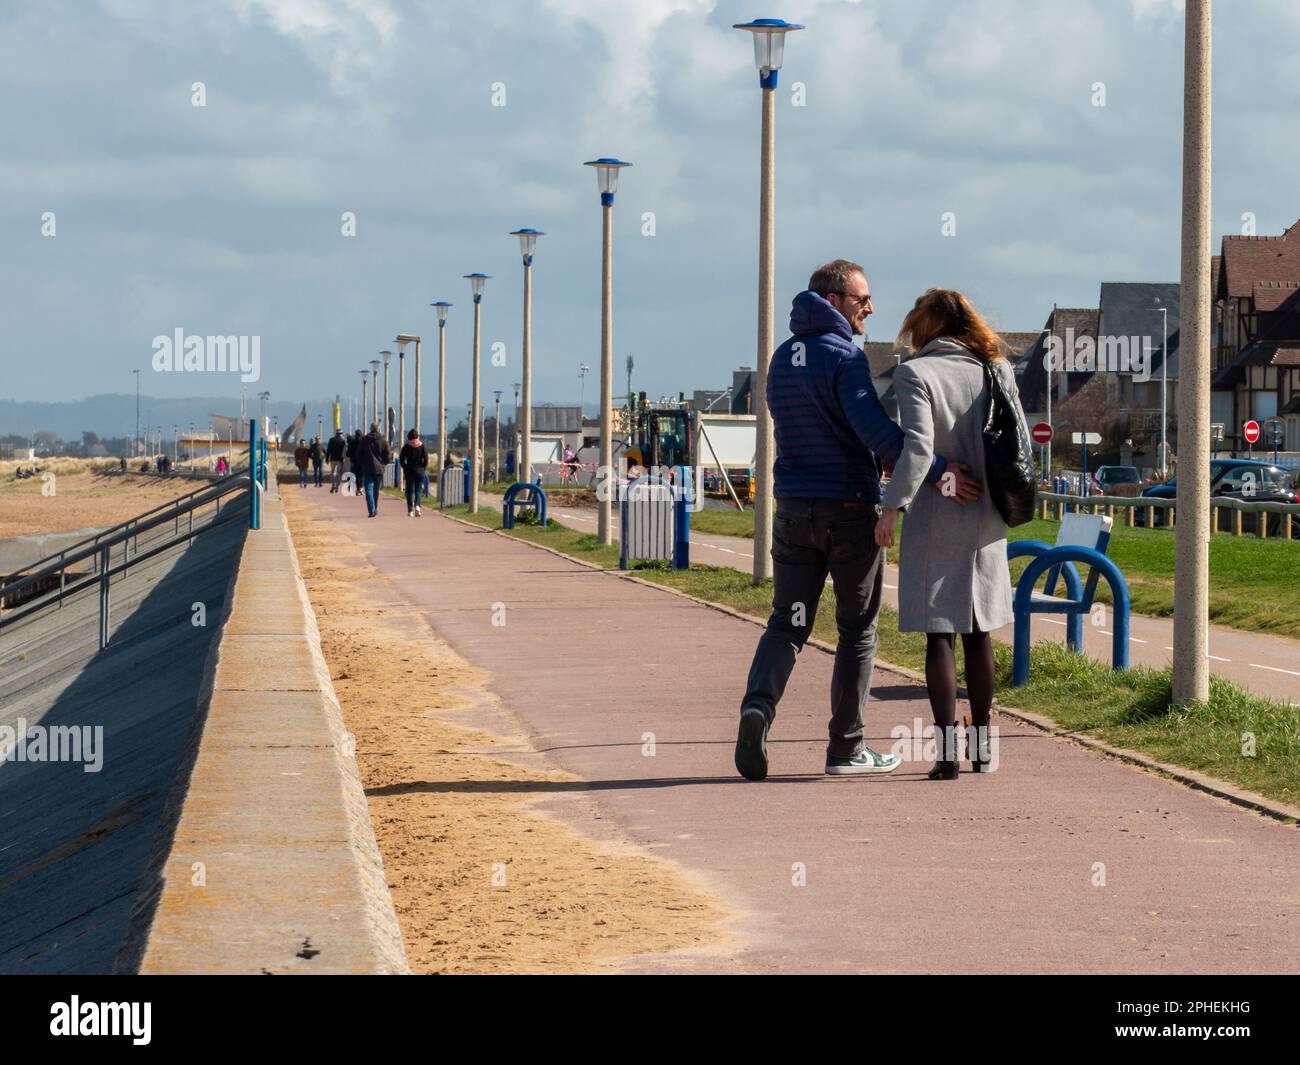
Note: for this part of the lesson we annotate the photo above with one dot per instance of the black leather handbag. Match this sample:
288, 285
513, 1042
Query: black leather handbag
1008, 454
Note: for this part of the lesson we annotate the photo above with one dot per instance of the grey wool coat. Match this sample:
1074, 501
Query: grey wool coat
952, 559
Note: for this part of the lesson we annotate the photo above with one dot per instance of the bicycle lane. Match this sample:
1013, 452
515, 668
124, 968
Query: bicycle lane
1062, 861
1266, 665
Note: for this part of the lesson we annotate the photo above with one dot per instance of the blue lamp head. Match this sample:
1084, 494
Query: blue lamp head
476, 283
441, 306
387, 356
769, 46
527, 242
607, 177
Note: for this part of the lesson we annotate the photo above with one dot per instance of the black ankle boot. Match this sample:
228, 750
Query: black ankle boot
945, 761
977, 747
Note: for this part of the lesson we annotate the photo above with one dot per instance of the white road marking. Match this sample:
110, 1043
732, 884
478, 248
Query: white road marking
1134, 639
1215, 657
895, 588
1053, 621
1275, 669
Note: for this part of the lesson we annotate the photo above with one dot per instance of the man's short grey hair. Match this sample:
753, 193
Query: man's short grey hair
833, 276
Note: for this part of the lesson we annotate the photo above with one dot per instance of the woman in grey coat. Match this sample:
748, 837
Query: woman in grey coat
953, 575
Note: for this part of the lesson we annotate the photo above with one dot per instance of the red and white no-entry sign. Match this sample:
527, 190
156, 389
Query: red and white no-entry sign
1250, 431
1041, 433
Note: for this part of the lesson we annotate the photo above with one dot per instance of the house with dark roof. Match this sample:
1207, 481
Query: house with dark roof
1070, 327
1256, 349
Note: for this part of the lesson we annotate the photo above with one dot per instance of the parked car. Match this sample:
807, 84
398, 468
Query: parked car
1247, 479
1117, 480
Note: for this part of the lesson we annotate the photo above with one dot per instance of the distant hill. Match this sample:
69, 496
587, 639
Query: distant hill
113, 415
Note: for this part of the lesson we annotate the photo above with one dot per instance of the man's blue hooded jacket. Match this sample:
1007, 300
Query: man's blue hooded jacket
832, 434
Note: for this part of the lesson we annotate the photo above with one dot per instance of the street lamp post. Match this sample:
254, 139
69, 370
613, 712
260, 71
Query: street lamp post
387, 422
496, 455
1191, 677
769, 50
583, 370
607, 179
135, 446
527, 245
365, 377
374, 392
516, 440
401, 390
477, 282
442, 307
1164, 393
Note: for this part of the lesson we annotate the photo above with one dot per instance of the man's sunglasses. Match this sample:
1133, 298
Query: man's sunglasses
861, 301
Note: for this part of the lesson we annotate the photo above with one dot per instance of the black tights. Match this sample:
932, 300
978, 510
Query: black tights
941, 675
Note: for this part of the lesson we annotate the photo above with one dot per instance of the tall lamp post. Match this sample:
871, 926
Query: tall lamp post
401, 389
607, 179
1164, 393
1191, 676
496, 457
516, 439
365, 377
442, 308
387, 422
374, 392
401, 341
476, 284
583, 370
527, 245
769, 50
135, 445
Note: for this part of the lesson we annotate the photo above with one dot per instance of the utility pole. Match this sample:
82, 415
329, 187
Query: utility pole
1191, 675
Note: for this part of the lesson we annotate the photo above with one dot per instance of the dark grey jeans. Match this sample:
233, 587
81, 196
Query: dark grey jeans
811, 538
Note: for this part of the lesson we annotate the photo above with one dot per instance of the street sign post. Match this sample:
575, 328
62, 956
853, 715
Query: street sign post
1041, 434
1085, 439
1251, 432
1274, 431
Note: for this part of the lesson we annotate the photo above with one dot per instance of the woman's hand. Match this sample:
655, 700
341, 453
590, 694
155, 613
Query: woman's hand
885, 527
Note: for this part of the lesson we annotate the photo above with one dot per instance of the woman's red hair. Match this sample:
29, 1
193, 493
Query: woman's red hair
944, 312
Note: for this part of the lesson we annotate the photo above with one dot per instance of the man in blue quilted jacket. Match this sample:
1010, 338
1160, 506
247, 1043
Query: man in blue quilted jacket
833, 440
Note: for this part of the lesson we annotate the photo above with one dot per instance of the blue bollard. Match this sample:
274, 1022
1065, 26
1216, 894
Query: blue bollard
254, 478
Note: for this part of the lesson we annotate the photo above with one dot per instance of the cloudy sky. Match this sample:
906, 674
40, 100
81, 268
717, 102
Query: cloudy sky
226, 218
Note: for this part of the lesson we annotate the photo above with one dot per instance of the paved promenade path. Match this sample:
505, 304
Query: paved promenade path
1061, 861
1266, 665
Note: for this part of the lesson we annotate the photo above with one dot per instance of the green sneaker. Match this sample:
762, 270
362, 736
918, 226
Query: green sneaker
865, 761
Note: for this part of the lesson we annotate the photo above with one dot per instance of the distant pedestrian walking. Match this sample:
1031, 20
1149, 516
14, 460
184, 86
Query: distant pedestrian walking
301, 456
414, 460
336, 451
223, 467
373, 457
354, 463
317, 461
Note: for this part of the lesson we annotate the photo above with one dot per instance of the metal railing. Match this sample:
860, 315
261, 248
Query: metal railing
1062, 503
37, 580
12, 578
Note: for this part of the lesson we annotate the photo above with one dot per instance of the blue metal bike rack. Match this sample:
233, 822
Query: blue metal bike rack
536, 498
1077, 602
